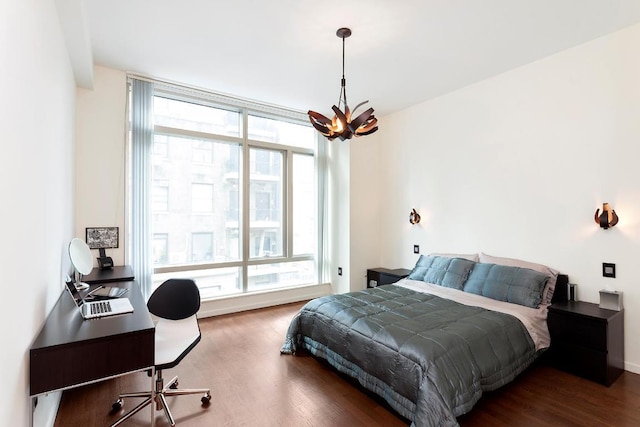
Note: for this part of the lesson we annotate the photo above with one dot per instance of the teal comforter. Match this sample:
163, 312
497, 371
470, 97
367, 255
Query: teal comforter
430, 358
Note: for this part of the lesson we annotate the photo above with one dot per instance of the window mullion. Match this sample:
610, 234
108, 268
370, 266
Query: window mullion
165, 130
288, 204
244, 188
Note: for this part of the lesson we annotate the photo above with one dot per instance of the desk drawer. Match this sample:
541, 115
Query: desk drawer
59, 367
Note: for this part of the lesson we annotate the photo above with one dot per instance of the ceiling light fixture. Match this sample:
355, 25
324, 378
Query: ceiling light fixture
341, 126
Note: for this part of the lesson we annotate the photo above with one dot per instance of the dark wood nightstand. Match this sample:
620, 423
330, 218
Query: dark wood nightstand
385, 276
586, 340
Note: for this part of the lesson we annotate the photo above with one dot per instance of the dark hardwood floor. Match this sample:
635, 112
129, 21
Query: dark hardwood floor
253, 385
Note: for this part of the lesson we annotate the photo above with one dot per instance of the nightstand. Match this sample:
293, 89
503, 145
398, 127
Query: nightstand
385, 276
586, 340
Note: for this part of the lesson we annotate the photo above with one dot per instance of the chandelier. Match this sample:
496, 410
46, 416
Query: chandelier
342, 126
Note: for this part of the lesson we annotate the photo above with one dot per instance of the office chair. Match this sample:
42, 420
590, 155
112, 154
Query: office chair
175, 302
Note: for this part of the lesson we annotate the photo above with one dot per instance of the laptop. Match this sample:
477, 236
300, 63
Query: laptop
102, 308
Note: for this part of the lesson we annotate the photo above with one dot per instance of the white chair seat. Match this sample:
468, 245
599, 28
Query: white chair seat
174, 337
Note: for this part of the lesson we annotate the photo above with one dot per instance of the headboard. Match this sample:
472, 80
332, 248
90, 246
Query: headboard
561, 292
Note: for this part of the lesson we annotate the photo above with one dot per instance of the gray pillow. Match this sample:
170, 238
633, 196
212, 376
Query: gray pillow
516, 285
443, 271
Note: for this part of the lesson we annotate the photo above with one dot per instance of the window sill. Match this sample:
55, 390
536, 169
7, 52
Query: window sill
261, 299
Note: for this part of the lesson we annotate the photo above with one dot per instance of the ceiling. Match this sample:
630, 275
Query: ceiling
286, 52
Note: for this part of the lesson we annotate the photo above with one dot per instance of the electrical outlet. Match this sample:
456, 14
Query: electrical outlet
339, 271
416, 249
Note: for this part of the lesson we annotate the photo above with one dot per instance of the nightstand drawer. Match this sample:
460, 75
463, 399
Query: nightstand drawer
578, 331
581, 361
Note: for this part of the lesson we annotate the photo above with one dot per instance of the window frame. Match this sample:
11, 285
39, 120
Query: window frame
245, 146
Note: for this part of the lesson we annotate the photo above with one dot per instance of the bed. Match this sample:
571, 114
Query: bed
432, 343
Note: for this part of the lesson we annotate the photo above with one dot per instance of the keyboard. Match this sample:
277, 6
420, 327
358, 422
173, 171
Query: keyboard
100, 307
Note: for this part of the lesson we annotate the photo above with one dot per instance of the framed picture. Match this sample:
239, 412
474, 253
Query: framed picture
102, 237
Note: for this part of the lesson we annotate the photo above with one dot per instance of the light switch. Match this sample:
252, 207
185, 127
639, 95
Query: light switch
608, 270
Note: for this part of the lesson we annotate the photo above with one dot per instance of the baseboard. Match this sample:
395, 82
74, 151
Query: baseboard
244, 302
632, 367
44, 414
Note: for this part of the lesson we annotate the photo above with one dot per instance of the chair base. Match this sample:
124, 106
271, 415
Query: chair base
160, 395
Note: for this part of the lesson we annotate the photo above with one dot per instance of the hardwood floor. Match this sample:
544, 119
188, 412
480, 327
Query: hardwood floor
253, 385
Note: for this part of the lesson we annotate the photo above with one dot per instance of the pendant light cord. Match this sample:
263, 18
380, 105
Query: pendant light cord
343, 83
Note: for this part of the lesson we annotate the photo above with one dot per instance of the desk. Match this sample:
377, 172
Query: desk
70, 351
122, 273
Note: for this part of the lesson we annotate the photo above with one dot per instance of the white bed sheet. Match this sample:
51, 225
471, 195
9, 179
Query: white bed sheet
533, 319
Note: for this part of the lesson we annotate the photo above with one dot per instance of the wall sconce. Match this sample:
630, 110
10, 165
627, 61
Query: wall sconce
414, 217
607, 218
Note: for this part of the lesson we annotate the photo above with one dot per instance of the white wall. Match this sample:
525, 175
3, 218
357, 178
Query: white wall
516, 166
366, 172
338, 158
100, 161
37, 110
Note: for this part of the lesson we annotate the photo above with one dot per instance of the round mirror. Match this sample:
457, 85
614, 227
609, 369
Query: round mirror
81, 259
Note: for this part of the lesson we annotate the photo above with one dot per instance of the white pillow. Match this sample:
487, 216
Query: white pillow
470, 257
547, 293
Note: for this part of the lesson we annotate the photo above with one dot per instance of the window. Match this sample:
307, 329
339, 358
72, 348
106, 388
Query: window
191, 115
266, 226
233, 213
161, 147
160, 202
201, 247
202, 151
160, 248
201, 197
304, 205
234, 194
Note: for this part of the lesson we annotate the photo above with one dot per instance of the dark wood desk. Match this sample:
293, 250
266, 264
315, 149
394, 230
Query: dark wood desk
70, 351
121, 273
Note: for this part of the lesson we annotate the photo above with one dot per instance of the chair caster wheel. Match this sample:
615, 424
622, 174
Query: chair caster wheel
206, 399
117, 405
174, 386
